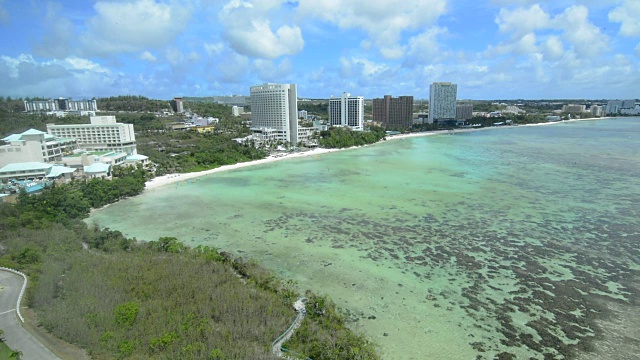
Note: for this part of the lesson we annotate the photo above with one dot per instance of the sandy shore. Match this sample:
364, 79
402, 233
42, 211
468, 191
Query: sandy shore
173, 178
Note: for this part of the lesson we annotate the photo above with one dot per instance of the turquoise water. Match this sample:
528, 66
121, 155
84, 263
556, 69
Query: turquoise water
521, 241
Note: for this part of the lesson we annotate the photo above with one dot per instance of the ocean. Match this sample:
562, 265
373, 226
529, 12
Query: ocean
519, 242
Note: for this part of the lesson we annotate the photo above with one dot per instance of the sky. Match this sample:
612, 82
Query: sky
493, 49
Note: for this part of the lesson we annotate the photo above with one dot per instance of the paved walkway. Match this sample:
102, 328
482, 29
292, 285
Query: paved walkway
15, 336
302, 312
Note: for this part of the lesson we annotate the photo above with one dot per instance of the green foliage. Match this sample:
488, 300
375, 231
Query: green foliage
163, 342
216, 354
168, 245
126, 314
125, 348
321, 109
188, 151
28, 256
339, 137
131, 103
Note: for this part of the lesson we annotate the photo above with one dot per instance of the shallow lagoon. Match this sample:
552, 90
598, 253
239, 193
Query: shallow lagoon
521, 240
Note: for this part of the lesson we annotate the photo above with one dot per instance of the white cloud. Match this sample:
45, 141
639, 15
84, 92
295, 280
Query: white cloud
258, 40
362, 67
256, 36
134, 26
638, 50
269, 71
147, 56
72, 76
383, 20
628, 15
232, 69
213, 49
571, 27
586, 38
520, 22
553, 48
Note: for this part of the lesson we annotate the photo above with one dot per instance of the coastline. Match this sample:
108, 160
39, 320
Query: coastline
174, 178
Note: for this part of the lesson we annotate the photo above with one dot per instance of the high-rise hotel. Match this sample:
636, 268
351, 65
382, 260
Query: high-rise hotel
347, 110
274, 112
394, 113
442, 102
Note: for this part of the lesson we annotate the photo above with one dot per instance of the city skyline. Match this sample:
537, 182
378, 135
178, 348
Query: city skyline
493, 49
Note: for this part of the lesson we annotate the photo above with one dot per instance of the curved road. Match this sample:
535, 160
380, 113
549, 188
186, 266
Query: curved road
15, 336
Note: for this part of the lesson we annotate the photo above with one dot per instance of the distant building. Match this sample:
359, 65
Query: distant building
60, 104
237, 110
596, 110
393, 113
102, 134
615, 106
631, 111
274, 112
573, 108
347, 111
34, 146
628, 104
442, 102
303, 114
178, 105
464, 112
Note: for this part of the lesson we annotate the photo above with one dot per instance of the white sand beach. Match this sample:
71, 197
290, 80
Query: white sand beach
173, 178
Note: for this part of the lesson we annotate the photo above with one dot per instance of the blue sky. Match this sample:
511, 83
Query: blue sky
493, 49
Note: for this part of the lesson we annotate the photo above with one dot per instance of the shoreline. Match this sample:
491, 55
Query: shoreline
174, 178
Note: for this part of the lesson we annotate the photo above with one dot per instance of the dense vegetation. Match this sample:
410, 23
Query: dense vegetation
188, 151
132, 103
320, 109
339, 137
120, 298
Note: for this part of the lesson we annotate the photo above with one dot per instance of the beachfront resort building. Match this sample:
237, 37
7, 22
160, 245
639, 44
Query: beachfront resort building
347, 111
274, 113
393, 113
35, 146
102, 134
442, 102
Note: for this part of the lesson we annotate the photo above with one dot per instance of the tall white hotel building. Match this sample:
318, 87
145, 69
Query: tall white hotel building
442, 102
347, 110
274, 112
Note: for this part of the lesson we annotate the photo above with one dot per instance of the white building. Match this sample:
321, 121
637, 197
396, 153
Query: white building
596, 110
347, 110
60, 104
35, 146
237, 110
303, 114
274, 112
442, 102
103, 134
